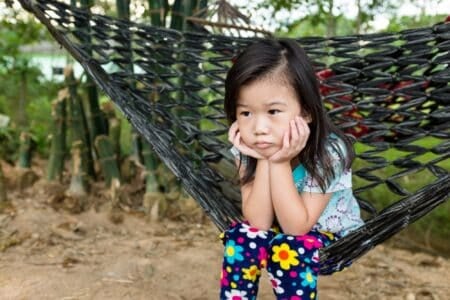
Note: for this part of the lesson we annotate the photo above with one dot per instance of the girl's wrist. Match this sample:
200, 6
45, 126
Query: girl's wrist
278, 164
263, 161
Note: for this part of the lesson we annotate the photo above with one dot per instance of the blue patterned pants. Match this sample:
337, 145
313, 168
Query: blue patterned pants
292, 262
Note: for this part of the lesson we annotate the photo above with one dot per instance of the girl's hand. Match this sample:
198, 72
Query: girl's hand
234, 136
294, 140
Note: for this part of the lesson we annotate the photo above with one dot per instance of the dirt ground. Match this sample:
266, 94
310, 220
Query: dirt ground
53, 254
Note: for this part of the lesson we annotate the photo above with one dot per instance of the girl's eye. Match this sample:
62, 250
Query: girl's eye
244, 113
274, 111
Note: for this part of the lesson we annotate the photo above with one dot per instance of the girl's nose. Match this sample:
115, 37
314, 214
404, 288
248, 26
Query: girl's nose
261, 126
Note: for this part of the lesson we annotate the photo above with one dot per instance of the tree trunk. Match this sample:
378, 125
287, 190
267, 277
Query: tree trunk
58, 138
108, 159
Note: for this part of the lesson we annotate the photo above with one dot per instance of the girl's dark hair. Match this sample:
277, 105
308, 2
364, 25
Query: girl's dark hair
289, 62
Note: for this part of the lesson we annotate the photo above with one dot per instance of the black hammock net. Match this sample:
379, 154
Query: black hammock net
390, 91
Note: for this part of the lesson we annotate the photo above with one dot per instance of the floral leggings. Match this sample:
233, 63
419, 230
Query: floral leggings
292, 262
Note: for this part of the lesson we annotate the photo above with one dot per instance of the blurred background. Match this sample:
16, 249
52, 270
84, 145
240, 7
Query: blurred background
33, 80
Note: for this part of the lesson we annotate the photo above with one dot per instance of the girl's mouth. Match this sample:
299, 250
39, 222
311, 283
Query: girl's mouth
262, 145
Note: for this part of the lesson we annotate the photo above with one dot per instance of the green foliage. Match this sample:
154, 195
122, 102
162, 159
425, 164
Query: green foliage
9, 143
15, 33
435, 224
310, 27
406, 22
20, 78
40, 94
327, 13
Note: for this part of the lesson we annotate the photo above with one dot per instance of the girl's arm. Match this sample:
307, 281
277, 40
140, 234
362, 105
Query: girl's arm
256, 203
256, 198
296, 213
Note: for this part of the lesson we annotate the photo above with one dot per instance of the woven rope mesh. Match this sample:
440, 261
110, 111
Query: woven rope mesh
390, 91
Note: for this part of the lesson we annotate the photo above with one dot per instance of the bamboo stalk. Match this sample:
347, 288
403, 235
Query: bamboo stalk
55, 166
94, 118
114, 135
137, 147
114, 125
156, 12
154, 201
188, 9
177, 15
151, 165
107, 158
77, 123
25, 150
78, 182
123, 9
3, 197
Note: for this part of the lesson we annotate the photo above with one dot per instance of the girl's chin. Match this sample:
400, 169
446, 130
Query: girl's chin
268, 152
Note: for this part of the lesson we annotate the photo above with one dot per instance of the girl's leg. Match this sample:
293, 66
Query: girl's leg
245, 253
293, 264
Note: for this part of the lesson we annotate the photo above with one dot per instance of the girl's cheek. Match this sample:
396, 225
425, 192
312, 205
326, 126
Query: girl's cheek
244, 133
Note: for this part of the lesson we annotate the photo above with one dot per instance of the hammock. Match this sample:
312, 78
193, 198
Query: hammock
390, 91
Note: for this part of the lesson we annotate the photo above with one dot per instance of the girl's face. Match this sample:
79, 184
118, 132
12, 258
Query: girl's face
263, 111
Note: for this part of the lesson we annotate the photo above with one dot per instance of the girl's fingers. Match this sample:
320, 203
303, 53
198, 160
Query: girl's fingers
294, 140
237, 139
303, 127
243, 148
232, 132
286, 143
295, 133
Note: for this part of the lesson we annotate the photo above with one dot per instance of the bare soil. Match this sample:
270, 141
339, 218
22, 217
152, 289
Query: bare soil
48, 253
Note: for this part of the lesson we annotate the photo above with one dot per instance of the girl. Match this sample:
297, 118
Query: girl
294, 168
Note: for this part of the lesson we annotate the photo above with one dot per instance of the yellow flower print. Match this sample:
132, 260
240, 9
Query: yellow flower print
251, 273
285, 256
330, 235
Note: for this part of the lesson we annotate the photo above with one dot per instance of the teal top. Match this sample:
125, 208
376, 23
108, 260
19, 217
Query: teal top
342, 214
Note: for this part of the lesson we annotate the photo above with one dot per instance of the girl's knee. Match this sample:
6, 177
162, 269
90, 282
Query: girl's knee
292, 251
242, 231
245, 243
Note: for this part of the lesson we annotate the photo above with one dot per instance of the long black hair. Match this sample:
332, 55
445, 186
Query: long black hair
287, 59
